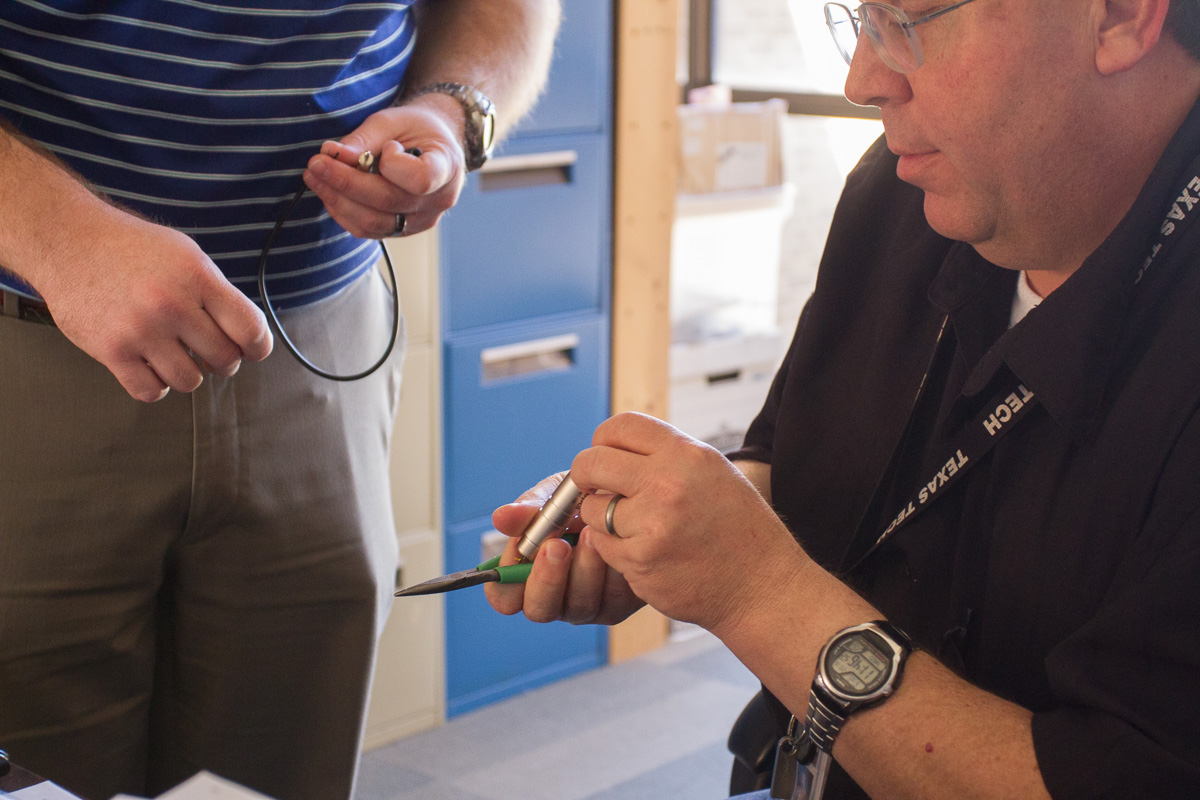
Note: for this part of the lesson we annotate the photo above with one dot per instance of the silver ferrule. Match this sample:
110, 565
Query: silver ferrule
551, 519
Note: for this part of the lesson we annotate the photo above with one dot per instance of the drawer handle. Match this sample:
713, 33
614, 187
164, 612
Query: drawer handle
723, 377
552, 354
524, 171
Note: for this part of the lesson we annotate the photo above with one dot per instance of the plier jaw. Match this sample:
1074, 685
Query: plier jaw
451, 582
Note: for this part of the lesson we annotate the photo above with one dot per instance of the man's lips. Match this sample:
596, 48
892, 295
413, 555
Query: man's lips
913, 162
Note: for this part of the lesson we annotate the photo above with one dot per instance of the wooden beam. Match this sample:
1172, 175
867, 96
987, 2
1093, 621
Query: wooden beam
644, 207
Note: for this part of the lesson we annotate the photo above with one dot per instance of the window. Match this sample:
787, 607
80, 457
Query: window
781, 48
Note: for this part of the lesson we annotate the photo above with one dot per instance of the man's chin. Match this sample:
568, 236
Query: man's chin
951, 219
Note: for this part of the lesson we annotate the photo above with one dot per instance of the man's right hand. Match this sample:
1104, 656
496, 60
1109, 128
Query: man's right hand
140, 298
148, 304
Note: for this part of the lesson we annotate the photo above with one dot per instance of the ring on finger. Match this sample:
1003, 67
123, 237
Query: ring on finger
401, 224
608, 515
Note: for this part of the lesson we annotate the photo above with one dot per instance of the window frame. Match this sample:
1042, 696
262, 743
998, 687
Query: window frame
702, 47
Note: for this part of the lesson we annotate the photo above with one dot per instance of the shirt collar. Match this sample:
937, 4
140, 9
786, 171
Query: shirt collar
1065, 349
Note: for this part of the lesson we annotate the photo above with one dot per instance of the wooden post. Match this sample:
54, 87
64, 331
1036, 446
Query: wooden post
644, 208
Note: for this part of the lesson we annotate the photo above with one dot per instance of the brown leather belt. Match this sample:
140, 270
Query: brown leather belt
23, 308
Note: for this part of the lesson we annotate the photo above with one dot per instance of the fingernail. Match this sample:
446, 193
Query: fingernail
556, 551
320, 169
331, 149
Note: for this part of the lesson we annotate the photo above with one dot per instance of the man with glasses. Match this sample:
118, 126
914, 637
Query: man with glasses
985, 436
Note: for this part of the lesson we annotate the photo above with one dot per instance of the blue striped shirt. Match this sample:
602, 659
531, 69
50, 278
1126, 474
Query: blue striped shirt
202, 114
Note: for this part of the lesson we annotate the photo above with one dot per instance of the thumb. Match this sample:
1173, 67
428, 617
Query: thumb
369, 137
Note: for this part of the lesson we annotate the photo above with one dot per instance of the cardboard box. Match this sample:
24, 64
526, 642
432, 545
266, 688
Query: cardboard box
730, 147
725, 254
718, 386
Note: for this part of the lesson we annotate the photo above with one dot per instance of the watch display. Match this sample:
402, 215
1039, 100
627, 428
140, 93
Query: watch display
858, 664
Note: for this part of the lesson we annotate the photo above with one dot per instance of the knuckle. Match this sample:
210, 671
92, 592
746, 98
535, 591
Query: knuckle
421, 183
504, 601
540, 615
182, 379
584, 462
255, 343
582, 614
352, 227
225, 357
672, 492
339, 181
427, 222
355, 139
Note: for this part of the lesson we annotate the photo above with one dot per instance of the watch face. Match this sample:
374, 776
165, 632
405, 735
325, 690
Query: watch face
858, 664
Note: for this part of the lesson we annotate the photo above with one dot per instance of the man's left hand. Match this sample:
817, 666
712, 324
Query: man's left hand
421, 188
694, 538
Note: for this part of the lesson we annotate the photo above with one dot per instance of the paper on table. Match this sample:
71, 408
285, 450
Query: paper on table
201, 786
42, 791
207, 786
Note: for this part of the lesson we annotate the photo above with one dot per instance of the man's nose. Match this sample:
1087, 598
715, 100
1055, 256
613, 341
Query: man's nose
872, 82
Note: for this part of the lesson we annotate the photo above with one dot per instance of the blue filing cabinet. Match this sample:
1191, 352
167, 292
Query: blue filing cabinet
526, 261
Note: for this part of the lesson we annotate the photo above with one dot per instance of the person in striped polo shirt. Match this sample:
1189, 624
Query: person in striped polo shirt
198, 582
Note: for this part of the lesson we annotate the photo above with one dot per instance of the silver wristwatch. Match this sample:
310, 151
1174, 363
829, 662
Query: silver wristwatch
858, 667
479, 132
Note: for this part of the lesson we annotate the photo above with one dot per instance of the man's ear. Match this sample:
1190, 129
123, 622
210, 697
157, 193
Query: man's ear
1126, 30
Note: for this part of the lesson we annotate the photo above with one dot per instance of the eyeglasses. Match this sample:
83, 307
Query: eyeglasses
888, 28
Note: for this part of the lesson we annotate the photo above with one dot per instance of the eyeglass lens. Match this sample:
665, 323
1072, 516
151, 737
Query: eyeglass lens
893, 40
844, 27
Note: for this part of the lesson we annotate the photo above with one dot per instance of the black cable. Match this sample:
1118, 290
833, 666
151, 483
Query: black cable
277, 326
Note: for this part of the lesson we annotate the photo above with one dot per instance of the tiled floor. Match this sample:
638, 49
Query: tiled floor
653, 728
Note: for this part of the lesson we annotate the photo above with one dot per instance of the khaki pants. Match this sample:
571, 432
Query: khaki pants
197, 583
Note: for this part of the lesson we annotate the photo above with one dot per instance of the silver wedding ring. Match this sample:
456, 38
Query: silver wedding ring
401, 224
608, 515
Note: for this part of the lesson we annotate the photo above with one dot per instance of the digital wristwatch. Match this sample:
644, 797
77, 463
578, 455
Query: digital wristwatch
859, 667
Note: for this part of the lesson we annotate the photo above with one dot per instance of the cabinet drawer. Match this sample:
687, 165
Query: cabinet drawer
519, 406
490, 656
578, 94
530, 235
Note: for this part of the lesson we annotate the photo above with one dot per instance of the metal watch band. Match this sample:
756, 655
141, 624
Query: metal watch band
823, 720
479, 119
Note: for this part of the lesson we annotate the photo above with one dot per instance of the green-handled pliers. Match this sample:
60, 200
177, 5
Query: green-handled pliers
551, 519
489, 571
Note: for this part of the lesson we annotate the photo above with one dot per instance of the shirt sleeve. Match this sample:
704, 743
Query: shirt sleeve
758, 443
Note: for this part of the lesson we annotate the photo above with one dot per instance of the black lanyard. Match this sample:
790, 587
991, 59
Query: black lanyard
1180, 216
1003, 411
1000, 415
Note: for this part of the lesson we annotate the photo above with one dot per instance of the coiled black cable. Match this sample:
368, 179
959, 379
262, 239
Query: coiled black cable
277, 326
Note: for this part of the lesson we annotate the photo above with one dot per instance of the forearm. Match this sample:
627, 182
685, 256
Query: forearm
937, 737
501, 47
43, 205
758, 474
